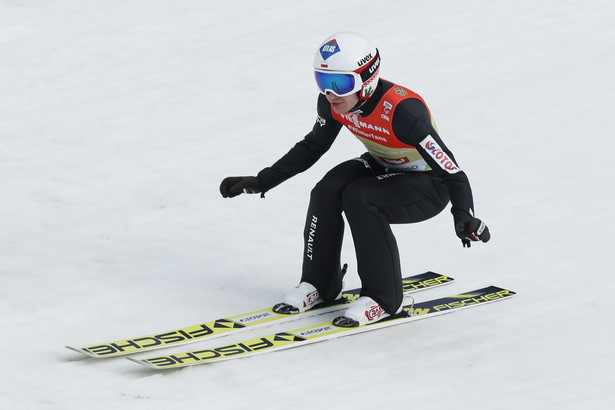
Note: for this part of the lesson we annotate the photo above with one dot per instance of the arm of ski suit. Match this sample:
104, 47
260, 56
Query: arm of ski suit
412, 125
306, 152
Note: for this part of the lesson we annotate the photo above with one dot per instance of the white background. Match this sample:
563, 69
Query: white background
119, 118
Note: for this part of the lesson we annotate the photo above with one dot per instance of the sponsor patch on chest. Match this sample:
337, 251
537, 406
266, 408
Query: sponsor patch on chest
431, 146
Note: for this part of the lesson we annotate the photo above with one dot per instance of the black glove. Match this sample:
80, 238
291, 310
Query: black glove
233, 186
472, 230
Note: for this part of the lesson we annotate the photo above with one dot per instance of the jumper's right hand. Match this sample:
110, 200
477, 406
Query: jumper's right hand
233, 186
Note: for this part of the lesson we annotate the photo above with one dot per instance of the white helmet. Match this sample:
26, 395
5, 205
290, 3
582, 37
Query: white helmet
347, 63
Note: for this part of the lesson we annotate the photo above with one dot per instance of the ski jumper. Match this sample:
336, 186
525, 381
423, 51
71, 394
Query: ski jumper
407, 175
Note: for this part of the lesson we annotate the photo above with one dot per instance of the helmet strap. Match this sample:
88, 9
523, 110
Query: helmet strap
359, 104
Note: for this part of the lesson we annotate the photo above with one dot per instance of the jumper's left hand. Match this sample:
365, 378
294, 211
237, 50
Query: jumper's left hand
472, 230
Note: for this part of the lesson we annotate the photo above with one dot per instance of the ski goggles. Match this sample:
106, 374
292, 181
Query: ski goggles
340, 84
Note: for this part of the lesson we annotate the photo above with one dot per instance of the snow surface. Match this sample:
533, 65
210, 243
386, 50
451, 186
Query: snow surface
119, 118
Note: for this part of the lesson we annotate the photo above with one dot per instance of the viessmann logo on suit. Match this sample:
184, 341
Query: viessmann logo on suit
360, 128
432, 147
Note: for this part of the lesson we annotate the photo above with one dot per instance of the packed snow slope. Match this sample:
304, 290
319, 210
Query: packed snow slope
119, 118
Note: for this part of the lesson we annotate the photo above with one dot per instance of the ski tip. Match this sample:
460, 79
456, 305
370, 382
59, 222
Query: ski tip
82, 351
140, 361
507, 291
144, 363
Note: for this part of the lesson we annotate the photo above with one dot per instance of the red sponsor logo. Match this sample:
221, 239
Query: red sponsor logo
374, 312
395, 161
311, 298
439, 155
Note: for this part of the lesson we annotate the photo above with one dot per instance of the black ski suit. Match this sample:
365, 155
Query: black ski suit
408, 175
